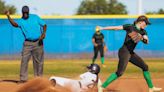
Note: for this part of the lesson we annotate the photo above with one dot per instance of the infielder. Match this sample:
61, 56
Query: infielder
134, 33
98, 42
87, 80
31, 26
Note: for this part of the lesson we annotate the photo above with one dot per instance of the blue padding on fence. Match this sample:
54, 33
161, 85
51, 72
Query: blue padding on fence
66, 36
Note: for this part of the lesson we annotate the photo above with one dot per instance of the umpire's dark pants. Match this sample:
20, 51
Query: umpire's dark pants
125, 56
36, 51
97, 49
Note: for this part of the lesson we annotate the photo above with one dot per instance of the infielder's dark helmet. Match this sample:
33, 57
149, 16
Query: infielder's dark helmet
94, 68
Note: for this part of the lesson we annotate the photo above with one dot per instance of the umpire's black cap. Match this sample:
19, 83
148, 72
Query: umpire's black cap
25, 9
143, 18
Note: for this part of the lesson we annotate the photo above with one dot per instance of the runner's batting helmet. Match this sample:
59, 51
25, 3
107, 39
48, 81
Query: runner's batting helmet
94, 68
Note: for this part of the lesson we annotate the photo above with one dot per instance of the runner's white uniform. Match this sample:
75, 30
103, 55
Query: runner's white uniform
86, 81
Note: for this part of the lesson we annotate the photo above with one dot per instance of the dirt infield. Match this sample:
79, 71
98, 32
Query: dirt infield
43, 85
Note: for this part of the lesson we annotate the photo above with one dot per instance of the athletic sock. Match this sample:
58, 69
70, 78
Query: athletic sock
102, 60
148, 78
111, 78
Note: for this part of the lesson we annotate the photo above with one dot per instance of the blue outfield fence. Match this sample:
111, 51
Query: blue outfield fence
71, 38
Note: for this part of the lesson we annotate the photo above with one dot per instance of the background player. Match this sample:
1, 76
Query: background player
134, 33
87, 81
98, 42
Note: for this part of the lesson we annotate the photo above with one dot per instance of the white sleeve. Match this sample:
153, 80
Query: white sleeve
83, 75
100, 89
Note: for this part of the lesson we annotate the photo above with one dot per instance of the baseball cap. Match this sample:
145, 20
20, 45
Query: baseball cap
143, 18
25, 9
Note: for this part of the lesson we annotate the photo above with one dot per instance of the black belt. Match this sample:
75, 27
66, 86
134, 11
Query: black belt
31, 40
80, 84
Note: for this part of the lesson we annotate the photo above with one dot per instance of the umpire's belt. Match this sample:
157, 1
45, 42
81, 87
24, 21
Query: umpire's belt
31, 40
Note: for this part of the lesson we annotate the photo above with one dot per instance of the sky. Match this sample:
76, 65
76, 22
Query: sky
69, 7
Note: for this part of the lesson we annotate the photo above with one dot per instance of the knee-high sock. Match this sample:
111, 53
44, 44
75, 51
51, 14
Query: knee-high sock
111, 78
148, 78
102, 60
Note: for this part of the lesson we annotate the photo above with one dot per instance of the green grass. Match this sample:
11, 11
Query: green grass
72, 68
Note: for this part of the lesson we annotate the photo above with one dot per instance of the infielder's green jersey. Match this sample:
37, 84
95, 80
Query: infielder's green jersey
130, 44
98, 38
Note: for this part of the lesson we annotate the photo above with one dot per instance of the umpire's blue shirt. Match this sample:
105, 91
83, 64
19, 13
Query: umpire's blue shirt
31, 27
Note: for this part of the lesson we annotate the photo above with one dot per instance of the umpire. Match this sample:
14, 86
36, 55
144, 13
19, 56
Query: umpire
34, 30
98, 42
